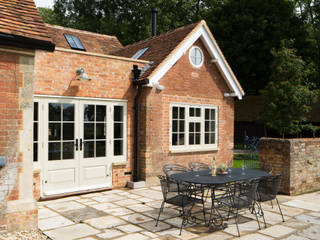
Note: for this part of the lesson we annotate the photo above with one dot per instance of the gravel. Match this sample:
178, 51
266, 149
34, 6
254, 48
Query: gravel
25, 235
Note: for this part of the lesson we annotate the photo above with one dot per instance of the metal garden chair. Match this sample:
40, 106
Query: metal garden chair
170, 169
268, 189
182, 199
240, 197
198, 166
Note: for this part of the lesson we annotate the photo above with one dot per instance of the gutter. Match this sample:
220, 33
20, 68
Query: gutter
24, 42
139, 83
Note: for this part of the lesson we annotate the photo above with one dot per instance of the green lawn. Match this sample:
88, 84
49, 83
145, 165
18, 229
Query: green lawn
251, 160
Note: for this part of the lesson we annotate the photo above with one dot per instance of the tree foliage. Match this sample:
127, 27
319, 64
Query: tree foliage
289, 95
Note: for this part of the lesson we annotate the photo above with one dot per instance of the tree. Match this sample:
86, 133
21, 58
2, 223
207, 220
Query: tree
247, 30
49, 16
289, 95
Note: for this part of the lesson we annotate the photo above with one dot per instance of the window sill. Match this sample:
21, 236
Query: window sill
189, 149
119, 163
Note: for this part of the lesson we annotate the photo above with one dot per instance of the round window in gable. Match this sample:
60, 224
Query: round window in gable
196, 56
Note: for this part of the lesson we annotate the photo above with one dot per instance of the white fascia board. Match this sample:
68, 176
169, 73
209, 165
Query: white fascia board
174, 58
213, 51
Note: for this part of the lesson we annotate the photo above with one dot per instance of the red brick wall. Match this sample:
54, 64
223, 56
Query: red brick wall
184, 84
55, 74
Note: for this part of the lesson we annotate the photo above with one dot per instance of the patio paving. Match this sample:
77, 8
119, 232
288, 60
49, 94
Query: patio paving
130, 214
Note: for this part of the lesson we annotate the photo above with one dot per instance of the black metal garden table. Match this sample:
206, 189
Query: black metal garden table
206, 180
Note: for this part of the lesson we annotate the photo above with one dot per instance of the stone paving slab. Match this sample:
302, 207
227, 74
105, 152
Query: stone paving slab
131, 214
71, 232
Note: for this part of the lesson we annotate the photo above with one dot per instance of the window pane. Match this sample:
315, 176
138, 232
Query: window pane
191, 112
117, 147
118, 133
213, 115
206, 138
191, 127
88, 113
35, 131
118, 113
212, 126
68, 150
101, 113
174, 126
175, 113
181, 115
100, 148
181, 139
181, 126
68, 131
206, 126
100, 131
88, 149
207, 114
191, 138
212, 138
54, 112
35, 111
35, 152
68, 112
197, 127
197, 138
88, 131
54, 131
174, 139
198, 112
54, 151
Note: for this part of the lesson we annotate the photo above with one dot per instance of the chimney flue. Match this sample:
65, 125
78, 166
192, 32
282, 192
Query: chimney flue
154, 12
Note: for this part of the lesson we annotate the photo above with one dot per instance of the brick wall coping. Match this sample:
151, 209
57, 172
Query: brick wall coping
101, 55
291, 140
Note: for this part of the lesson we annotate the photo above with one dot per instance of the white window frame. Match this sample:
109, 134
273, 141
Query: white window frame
202, 146
202, 55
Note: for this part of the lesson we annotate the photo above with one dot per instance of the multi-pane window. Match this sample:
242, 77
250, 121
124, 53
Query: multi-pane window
35, 130
118, 136
196, 56
94, 131
61, 131
193, 127
178, 126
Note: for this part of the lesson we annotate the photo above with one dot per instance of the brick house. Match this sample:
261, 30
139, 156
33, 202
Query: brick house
104, 114
22, 33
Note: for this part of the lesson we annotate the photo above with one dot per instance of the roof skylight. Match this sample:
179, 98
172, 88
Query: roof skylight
138, 54
74, 42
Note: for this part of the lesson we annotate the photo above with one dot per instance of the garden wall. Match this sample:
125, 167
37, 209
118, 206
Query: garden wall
298, 160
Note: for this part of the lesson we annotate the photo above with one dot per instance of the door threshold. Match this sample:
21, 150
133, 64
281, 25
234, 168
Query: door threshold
75, 193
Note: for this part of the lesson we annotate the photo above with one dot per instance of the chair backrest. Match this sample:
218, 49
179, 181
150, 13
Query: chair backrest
270, 185
164, 186
170, 169
197, 166
245, 193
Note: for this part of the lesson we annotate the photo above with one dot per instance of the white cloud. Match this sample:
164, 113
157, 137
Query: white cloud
44, 3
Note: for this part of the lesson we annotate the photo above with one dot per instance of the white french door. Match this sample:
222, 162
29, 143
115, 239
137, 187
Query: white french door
80, 141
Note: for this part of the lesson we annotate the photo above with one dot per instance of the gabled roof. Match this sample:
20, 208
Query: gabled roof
159, 47
92, 42
22, 26
166, 49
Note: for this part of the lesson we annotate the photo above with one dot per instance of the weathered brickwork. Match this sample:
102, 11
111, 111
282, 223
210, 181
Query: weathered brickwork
298, 160
183, 84
55, 74
16, 83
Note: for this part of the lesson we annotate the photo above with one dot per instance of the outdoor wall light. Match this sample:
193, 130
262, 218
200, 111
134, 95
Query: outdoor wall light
83, 76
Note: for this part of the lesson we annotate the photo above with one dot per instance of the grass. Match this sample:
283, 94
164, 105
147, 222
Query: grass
252, 161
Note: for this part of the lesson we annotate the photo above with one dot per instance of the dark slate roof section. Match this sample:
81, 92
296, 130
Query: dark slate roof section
21, 25
159, 47
92, 42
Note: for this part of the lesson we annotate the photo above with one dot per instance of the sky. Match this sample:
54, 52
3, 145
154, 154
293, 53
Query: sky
44, 3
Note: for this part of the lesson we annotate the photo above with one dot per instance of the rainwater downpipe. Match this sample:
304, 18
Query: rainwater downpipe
139, 84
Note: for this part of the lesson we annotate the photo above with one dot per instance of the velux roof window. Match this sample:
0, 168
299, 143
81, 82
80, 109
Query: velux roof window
74, 42
138, 54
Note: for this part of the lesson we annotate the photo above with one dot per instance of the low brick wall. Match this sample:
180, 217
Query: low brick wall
298, 160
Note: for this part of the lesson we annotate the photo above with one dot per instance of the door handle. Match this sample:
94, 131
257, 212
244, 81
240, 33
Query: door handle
77, 146
80, 144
